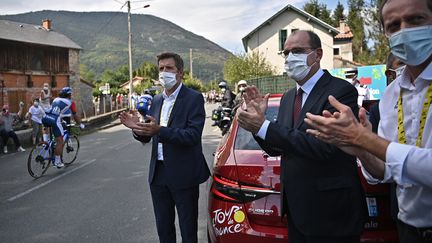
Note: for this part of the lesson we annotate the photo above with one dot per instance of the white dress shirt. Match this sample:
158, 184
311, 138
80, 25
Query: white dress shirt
409, 166
307, 89
167, 106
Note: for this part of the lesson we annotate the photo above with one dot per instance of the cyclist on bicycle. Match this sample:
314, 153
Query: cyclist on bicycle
72, 111
52, 119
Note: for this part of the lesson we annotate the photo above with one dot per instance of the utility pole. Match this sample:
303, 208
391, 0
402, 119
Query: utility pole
128, 3
130, 54
190, 62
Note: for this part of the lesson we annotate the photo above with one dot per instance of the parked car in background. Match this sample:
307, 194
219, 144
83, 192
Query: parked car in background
244, 197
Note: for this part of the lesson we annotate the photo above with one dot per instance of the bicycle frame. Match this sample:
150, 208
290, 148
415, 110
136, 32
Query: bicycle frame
42, 155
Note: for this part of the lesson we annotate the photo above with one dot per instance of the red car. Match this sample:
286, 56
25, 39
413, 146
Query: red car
244, 198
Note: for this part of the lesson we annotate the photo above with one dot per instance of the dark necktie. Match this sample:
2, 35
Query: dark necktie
297, 105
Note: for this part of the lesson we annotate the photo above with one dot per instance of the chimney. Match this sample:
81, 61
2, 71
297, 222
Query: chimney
46, 23
342, 25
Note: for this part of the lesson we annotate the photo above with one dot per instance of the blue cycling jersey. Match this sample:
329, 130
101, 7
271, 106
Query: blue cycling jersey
59, 107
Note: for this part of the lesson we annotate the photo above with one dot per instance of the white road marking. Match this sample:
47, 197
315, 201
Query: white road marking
123, 145
49, 181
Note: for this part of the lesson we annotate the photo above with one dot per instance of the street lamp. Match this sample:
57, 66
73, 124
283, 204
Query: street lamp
130, 51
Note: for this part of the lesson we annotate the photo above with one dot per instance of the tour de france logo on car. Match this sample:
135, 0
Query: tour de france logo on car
228, 221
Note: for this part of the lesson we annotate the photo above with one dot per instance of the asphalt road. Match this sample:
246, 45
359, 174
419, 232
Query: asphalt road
103, 197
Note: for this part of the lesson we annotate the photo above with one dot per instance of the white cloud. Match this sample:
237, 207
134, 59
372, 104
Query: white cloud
224, 22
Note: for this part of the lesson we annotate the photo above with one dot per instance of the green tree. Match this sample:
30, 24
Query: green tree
86, 74
247, 66
380, 49
115, 78
357, 25
338, 14
326, 14
192, 82
213, 84
144, 84
318, 10
312, 7
147, 70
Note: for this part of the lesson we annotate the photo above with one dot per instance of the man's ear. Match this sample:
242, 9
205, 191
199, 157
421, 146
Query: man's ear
319, 54
180, 74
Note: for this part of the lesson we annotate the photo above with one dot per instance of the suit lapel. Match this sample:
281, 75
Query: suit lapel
288, 108
158, 107
313, 97
177, 104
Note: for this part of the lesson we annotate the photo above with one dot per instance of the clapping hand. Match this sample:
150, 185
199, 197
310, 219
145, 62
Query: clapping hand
251, 114
149, 128
129, 119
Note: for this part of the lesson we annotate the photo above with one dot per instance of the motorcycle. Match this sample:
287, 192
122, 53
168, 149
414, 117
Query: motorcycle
223, 118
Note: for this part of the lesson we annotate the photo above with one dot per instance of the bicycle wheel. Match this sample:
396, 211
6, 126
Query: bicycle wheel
39, 160
70, 150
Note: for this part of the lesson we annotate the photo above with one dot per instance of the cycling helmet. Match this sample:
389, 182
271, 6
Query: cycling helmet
66, 91
222, 84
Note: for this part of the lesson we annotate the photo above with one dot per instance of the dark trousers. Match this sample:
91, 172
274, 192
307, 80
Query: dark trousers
6, 135
410, 234
166, 200
296, 236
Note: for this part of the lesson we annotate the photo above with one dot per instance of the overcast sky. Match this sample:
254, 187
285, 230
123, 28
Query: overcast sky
224, 22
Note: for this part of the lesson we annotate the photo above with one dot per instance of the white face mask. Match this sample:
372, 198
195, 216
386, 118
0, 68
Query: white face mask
167, 80
296, 66
399, 70
36, 103
223, 90
241, 89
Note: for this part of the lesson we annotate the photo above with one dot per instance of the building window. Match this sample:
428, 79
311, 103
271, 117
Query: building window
336, 51
293, 30
282, 39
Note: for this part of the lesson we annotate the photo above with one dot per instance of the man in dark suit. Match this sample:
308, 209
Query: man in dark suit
321, 191
177, 165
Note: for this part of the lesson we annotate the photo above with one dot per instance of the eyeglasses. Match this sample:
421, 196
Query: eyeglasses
296, 50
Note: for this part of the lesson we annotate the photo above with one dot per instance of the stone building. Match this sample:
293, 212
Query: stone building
32, 55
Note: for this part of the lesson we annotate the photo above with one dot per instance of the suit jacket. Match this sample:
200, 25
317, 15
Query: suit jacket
184, 161
324, 195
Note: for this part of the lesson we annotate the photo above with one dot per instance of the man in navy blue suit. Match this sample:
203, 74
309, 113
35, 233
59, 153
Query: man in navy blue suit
320, 188
177, 164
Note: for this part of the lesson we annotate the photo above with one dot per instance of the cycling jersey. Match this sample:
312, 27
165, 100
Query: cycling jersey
71, 111
53, 115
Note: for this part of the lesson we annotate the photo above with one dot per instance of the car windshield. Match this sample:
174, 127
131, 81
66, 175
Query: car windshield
244, 139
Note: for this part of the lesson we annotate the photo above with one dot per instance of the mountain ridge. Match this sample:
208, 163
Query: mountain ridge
104, 39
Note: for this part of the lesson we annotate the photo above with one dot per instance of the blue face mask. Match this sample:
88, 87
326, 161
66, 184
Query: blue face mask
413, 46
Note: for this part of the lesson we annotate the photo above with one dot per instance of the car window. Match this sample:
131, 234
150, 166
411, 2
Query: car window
244, 139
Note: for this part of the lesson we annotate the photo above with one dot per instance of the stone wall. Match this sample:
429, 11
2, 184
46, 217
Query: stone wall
74, 75
86, 103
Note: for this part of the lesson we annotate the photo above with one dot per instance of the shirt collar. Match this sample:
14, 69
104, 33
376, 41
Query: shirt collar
309, 84
404, 80
174, 94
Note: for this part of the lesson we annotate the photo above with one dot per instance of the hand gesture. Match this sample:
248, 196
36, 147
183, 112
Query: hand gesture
251, 114
129, 119
255, 100
340, 128
149, 128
